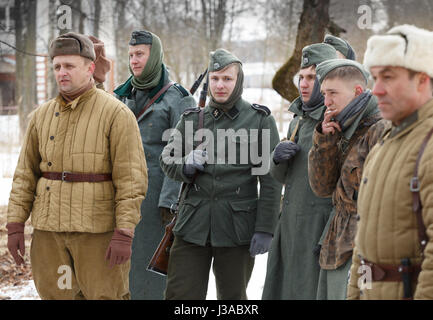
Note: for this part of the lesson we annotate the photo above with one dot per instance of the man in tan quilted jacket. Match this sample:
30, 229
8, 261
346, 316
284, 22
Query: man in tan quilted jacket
391, 259
81, 176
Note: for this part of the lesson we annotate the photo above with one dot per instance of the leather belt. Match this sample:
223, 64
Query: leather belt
391, 273
77, 177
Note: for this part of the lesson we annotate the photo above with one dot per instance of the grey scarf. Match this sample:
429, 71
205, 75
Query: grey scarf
351, 112
316, 99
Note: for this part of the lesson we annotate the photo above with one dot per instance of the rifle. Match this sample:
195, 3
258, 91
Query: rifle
159, 261
197, 82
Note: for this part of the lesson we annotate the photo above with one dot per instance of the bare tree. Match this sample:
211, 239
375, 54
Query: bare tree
52, 33
121, 38
25, 39
311, 29
96, 17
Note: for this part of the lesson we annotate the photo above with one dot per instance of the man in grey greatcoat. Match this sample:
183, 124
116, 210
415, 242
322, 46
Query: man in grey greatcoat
293, 260
149, 76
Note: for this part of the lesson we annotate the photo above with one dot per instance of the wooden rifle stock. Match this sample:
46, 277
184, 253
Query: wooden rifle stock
159, 261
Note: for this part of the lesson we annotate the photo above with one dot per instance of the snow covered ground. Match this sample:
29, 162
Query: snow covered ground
27, 290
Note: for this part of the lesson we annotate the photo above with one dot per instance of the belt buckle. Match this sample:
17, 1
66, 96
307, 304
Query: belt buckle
414, 184
64, 173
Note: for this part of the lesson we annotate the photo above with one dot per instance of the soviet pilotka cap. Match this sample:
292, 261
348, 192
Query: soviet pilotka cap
340, 45
327, 66
403, 46
317, 53
140, 37
221, 58
72, 43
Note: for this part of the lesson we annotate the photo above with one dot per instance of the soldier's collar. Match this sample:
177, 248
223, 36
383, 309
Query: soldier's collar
217, 113
73, 104
296, 108
404, 125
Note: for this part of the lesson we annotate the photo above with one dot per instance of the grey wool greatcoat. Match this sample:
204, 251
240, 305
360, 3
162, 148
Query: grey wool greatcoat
162, 191
293, 260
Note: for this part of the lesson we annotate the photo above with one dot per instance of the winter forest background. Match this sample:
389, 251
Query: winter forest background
267, 35
263, 34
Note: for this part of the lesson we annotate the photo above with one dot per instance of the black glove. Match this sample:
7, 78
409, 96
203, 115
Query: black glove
285, 150
260, 243
195, 161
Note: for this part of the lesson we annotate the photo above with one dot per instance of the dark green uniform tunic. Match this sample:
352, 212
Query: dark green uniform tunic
226, 206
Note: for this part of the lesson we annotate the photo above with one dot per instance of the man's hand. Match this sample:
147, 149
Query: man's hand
195, 161
16, 244
285, 150
260, 243
119, 250
329, 125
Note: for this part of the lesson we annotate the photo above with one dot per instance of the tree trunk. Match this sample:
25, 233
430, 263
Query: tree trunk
51, 85
97, 18
121, 41
25, 64
311, 29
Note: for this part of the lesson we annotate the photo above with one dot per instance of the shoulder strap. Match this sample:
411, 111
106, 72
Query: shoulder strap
416, 199
155, 97
183, 188
295, 131
201, 123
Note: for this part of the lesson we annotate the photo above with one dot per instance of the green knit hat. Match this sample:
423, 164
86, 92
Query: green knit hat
340, 45
327, 66
221, 58
317, 53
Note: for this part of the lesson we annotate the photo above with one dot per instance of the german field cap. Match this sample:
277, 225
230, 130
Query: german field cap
221, 58
340, 45
327, 66
72, 43
403, 46
141, 37
317, 53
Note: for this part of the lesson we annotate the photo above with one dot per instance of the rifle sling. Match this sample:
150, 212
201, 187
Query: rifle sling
155, 97
185, 185
416, 198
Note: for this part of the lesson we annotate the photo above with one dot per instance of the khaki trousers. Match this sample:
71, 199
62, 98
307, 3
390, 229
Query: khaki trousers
189, 266
72, 266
